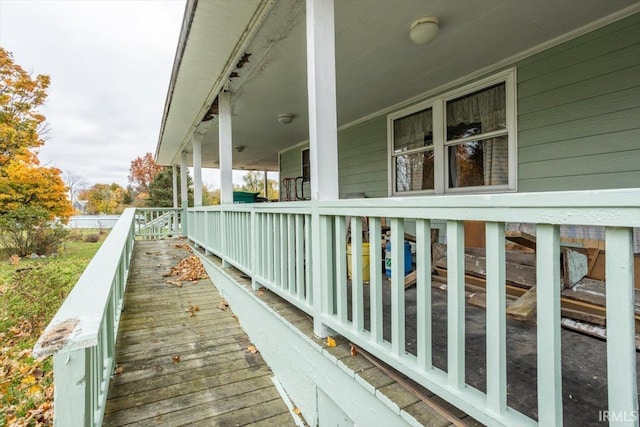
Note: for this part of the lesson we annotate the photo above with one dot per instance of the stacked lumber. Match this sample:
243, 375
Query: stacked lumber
582, 299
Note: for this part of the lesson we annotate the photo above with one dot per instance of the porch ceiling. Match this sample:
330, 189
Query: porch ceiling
377, 65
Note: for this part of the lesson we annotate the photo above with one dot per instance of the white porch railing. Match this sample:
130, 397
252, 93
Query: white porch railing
154, 223
279, 244
82, 335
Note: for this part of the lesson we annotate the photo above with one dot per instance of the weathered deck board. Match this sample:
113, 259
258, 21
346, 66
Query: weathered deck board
217, 381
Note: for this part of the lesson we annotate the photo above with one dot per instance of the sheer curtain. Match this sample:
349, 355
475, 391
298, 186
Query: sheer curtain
413, 172
488, 107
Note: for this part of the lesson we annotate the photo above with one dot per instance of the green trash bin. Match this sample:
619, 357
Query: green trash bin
244, 197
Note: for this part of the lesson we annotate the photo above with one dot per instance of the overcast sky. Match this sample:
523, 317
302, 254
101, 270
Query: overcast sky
110, 65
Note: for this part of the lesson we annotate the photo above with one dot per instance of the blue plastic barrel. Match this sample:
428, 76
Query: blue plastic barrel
407, 258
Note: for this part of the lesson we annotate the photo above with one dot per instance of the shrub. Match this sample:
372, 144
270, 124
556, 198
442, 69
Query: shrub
92, 238
28, 230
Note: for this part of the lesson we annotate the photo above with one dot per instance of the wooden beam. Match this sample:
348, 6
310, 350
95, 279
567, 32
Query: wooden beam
521, 238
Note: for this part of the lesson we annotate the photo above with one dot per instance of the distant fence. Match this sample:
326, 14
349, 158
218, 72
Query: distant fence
92, 221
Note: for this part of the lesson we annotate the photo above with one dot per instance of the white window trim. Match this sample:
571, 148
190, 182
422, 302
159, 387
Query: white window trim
302, 164
441, 163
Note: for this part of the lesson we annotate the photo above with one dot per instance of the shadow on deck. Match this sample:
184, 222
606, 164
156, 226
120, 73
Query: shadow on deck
180, 366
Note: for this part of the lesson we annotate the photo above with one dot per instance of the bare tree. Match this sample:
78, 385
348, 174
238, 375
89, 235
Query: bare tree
75, 183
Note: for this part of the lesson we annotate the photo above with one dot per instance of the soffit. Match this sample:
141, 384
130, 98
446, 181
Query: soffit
376, 64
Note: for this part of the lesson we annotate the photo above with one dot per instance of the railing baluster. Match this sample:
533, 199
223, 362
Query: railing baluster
548, 321
271, 238
423, 293
300, 256
284, 275
276, 251
496, 320
375, 283
397, 287
455, 304
291, 258
621, 349
341, 268
357, 292
307, 259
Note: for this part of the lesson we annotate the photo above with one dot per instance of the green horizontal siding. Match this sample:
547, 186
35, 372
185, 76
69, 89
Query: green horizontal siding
579, 112
362, 158
578, 120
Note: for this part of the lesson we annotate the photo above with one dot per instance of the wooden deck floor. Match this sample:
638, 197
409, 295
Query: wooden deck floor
178, 369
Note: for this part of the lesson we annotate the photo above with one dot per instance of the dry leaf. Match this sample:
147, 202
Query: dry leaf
35, 389
119, 370
252, 349
29, 379
189, 269
14, 259
176, 359
297, 411
331, 342
196, 308
224, 305
354, 350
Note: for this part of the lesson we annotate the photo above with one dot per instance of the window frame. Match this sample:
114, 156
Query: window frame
305, 178
441, 145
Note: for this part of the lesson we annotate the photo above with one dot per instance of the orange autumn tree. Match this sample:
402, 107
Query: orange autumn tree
31, 196
142, 172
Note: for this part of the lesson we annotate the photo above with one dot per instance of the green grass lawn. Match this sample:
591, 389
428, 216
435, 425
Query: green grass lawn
30, 294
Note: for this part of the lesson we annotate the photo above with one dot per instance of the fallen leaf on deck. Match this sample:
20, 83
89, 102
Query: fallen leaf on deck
331, 342
224, 305
297, 411
188, 269
192, 310
176, 359
354, 350
119, 370
252, 349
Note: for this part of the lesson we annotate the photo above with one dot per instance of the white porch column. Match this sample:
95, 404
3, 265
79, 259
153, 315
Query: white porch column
174, 177
266, 185
323, 153
184, 189
321, 84
184, 192
197, 169
225, 147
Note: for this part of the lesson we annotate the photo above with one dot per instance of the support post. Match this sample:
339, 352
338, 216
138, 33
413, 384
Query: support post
197, 169
266, 185
321, 85
174, 177
225, 148
323, 144
184, 192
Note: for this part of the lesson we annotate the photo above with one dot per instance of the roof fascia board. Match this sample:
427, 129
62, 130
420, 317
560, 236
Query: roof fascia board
254, 24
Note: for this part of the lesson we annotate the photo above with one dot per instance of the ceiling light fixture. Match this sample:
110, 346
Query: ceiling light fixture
285, 118
239, 148
424, 30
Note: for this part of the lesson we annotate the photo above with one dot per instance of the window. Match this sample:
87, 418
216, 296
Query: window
463, 141
306, 166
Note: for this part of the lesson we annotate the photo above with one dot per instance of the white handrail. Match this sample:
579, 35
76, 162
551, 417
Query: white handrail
270, 242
